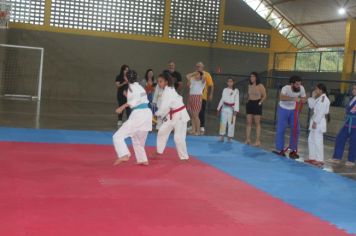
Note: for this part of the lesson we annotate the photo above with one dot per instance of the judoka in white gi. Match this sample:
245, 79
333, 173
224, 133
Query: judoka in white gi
137, 126
175, 117
320, 105
228, 108
157, 99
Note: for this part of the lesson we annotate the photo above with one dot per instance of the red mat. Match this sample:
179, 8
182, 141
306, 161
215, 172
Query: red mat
73, 190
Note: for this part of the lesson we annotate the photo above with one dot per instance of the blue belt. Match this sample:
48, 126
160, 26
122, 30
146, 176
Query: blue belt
348, 120
141, 106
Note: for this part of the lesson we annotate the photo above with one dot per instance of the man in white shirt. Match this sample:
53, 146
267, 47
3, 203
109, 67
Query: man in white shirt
291, 97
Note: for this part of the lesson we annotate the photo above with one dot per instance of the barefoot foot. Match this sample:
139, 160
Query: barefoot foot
142, 163
257, 144
155, 155
121, 160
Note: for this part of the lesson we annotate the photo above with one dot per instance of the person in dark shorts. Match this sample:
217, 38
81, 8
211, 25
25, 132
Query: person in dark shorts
256, 96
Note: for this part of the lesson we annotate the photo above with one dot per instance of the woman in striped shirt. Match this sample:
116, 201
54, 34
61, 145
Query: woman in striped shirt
196, 84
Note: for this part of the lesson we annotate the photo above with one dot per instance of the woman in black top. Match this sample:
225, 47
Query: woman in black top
122, 86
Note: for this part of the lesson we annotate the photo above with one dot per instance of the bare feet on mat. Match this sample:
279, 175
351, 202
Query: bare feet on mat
229, 140
121, 160
247, 142
221, 139
154, 155
142, 163
257, 144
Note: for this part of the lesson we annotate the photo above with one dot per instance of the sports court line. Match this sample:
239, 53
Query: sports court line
326, 195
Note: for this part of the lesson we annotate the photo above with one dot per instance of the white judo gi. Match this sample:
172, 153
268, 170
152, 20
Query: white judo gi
176, 117
320, 108
157, 100
137, 126
229, 103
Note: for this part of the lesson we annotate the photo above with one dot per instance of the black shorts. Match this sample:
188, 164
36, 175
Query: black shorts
253, 108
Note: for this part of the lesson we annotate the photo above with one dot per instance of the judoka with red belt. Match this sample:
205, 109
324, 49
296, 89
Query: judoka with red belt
227, 109
320, 105
175, 117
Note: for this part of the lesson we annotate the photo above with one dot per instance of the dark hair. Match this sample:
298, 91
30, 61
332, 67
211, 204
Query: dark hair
167, 77
258, 80
323, 88
350, 90
131, 76
294, 78
146, 75
123, 68
234, 85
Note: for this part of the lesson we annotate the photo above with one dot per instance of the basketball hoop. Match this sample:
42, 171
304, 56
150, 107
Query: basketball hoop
5, 14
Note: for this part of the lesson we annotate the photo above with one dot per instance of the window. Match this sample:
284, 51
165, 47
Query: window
194, 20
266, 11
307, 61
330, 61
246, 39
27, 11
311, 60
143, 17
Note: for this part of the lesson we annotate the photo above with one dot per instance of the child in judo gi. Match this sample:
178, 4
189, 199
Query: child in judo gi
175, 117
320, 105
227, 109
347, 132
156, 103
137, 126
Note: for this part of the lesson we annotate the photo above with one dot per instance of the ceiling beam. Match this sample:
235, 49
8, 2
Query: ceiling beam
281, 2
280, 13
321, 22
331, 46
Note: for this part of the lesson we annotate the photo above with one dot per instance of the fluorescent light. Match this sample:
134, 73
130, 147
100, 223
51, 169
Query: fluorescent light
342, 11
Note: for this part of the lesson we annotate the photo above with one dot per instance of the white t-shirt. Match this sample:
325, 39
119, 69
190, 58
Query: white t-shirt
287, 90
196, 86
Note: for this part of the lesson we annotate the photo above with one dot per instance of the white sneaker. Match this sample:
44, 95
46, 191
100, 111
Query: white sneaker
119, 123
202, 130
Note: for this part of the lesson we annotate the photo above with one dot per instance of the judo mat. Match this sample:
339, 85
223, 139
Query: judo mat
56, 182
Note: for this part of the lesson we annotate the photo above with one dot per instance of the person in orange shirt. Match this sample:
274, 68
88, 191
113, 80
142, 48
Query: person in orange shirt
207, 94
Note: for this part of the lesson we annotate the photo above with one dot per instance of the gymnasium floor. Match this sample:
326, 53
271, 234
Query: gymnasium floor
59, 180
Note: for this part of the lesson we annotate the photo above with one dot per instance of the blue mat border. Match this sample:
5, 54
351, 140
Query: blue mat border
328, 196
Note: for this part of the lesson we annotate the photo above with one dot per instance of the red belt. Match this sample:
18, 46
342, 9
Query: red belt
229, 104
171, 112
